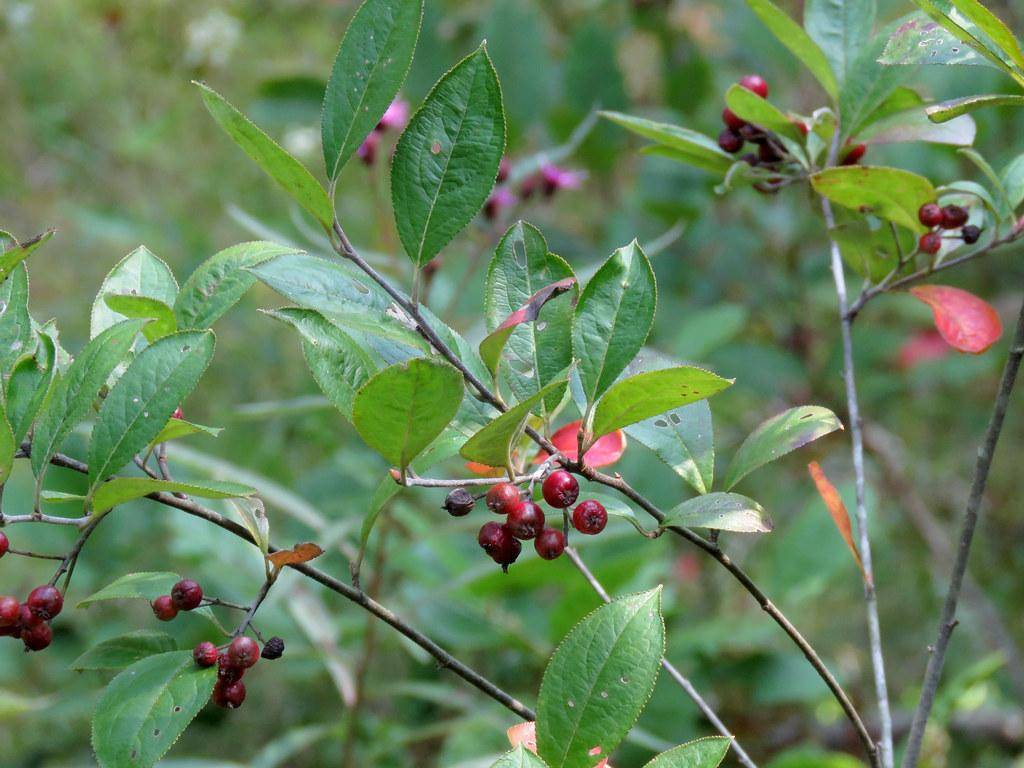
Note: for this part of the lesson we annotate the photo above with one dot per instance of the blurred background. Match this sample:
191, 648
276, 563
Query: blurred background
105, 139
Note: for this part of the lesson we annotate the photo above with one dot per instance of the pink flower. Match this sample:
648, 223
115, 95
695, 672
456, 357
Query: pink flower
367, 151
395, 116
555, 178
500, 199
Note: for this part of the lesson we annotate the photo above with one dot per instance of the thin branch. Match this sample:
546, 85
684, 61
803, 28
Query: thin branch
948, 621
251, 612
676, 675
36, 555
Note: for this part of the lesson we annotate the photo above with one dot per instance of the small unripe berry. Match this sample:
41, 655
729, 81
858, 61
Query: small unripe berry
730, 141
732, 120
755, 83
45, 601
930, 214
5, 544
930, 242
163, 608
229, 695
459, 502
550, 543
525, 521
205, 654
273, 649
38, 637
857, 151
10, 609
953, 216
560, 489
243, 651
971, 234
589, 517
186, 595
502, 498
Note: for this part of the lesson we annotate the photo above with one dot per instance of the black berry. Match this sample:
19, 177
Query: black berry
459, 502
971, 234
930, 214
243, 651
550, 543
273, 649
589, 517
953, 216
755, 83
930, 242
767, 153
560, 489
502, 498
526, 521
163, 608
205, 654
730, 141
45, 601
186, 595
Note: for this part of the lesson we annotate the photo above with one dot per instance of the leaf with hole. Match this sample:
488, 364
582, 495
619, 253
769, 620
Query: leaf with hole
124, 650
967, 323
683, 438
890, 193
920, 40
722, 512
493, 444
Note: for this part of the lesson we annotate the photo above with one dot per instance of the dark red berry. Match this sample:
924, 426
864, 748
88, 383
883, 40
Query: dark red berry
38, 637
504, 168
930, 242
205, 654
750, 159
163, 608
560, 489
751, 133
273, 649
26, 618
499, 543
5, 544
550, 543
732, 120
186, 595
243, 651
12, 631
526, 520
589, 517
45, 601
509, 550
767, 153
178, 413
730, 141
502, 498
10, 609
802, 127
227, 670
953, 216
229, 695
459, 502
930, 214
755, 83
853, 157
971, 234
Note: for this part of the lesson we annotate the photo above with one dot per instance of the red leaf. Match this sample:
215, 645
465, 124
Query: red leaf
966, 322
837, 509
531, 309
921, 348
607, 450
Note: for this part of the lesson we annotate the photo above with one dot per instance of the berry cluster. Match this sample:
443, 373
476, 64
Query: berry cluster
30, 621
232, 662
186, 595
944, 217
525, 519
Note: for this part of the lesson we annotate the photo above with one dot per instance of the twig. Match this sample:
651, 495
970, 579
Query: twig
37, 555
947, 622
676, 675
251, 613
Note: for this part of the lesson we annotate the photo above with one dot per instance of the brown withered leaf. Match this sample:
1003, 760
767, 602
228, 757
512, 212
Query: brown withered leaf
300, 553
837, 509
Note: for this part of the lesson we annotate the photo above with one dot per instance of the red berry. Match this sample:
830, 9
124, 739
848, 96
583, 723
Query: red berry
802, 127
10, 609
5, 544
589, 517
732, 120
499, 543
26, 618
853, 157
930, 242
930, 214
730, 141
38, 637
560, 489
229, 695
504, 169
243, 652
755, 83
45, 601
186, 595
227, 670
502, 498
525, 521
205, 654
550, 543
178, 413
163, 608
953, 216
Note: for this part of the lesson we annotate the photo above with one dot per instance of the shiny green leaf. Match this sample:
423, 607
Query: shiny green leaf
720, 511
708, 752
890, 193
799, 43
124, 650
688, 146
140, 273
841, 28
121, 490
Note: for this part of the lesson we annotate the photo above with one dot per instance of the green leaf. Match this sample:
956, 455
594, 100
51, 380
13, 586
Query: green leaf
599, 680
949, 110
986, 168
650, 394
337, 362
708, 752
688, 146
253, 515
17, 253
520, 757
799, 43
720, 511
920, 40
29, 385
536, 353
916, 125
1012, 179
869, 247
386, 490
144, 398
371, 65
73, 395
147, 707
143, 585
175, 429
683, 439
778, 436
447, 159
140, 273
15, 322
754, 109
992, 26
613, 317
8, 447
890, 193
293, 177
220, 281
162, 316
492, 444
841, 28
121, 490
403, 408
124, 650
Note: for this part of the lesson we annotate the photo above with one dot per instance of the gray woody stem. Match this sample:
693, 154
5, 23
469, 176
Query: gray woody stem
947, 622
676, 675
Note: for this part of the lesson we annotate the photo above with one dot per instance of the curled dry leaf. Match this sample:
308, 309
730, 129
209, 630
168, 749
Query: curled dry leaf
837, 509
300, 553
966, 322
606, 450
